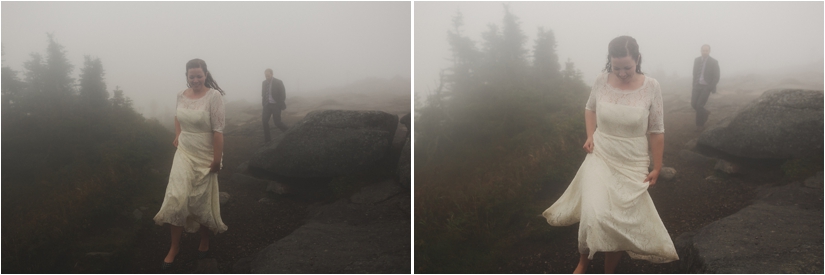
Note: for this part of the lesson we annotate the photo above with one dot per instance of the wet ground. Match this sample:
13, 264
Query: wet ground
686, 203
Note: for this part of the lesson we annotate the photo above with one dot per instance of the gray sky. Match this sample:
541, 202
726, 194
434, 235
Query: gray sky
144, 46
745, 37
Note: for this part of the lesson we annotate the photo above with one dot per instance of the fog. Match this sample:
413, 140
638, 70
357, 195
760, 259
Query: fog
144, 45
746, 37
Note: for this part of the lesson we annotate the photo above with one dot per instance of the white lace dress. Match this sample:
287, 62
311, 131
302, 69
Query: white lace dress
192, 197
608, 196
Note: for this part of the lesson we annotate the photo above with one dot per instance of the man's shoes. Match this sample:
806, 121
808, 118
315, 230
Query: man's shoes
166, 266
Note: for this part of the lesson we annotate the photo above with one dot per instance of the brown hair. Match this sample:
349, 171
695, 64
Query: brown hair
623, 46
199, 63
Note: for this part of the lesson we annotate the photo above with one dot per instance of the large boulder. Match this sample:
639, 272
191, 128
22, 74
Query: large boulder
780, 233
404, 166
367, 233
329, 143
780, 124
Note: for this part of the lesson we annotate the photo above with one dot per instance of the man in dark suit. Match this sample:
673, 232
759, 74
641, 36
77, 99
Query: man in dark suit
705, 78
273, 96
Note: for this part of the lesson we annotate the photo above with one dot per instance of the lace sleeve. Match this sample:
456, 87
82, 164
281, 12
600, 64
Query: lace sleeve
591, 101
656, 121
216, 112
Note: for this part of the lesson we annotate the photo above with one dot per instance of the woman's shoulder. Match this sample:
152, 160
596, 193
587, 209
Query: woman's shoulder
652, 82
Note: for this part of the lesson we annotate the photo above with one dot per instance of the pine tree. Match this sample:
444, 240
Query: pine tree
58, 70
92, 86
545, 60
120, 101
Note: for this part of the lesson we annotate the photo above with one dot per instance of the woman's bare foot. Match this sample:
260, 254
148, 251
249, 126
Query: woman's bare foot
583, 263
173, 252
204, 245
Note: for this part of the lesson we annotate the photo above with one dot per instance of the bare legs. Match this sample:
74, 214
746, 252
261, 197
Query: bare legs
583, 263
175, 247
611, 260
204, 246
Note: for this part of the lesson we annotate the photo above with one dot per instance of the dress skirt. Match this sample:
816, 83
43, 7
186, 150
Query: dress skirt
192, 196
608, 196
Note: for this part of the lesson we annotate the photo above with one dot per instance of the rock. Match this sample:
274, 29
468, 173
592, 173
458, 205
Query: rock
345, 237
241, 179
691, 144
242, 266
793, 194
815, 181
277, 188
266, 200
667, 173
317, 247
727, 167
137, 214
757, 239
714, 179
404, 167
779, 233
224, 197
207, 266
99, 254
407, 121
329, 143
780, 124
693, 157
376, 193
242, 167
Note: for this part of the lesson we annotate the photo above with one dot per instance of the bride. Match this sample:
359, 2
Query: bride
608, 196
191, 201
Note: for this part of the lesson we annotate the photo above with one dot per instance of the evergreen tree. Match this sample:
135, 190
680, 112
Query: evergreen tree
570, 72
545, 60
58, 70
513, 52
11, 88
92, 86
120, 101
465, 57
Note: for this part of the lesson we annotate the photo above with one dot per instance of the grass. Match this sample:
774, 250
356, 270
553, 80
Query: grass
472, 199
47, 212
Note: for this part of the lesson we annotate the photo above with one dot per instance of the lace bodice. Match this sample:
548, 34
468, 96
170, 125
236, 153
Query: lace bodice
648, 96
211, 102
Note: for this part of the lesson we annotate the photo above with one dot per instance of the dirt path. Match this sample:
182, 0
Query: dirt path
252, 225
686, 203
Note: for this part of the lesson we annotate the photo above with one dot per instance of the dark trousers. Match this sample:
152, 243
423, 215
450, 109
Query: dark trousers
698, 100
272, 110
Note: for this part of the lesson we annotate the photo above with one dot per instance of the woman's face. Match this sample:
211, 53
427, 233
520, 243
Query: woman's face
624, 67
196, 78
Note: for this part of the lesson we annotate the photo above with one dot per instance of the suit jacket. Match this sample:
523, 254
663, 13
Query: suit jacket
711, 72
278, 93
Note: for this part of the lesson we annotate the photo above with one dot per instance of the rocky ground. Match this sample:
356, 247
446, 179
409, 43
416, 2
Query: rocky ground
697, 196
257, 218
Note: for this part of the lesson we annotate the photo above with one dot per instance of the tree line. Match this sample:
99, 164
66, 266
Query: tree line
74, 156
498, 134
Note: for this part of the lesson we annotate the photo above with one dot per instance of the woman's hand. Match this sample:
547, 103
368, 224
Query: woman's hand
588, 145
652, 177
175, 142
215, 166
